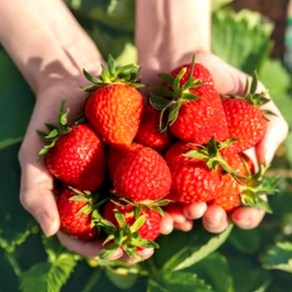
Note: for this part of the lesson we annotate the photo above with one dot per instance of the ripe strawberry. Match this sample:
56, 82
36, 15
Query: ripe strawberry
148, 133
75, 211
149, 229
192, 179
200, 120
229, 192
197, 170
195, 110
199, 72
115, 155
114, 107
246, 122
142, 175
75, 155
247, 191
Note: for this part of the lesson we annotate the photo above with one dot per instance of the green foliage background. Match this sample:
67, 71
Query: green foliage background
236, 260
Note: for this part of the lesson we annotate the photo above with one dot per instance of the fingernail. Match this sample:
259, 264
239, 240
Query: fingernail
215, 221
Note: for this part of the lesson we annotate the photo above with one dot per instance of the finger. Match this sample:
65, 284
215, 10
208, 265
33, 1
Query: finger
166, 226
227, 79
176, 212
142, 255
277, 131
215, 219
252, 155
194, 211
247, 217
37, 197
88, 249
185, 226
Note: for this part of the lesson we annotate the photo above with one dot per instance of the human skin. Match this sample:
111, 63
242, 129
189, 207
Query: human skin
50, 49
174, 34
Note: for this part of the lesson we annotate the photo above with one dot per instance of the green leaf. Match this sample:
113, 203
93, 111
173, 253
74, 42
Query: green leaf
122, 278
242, 39
49, 276
177, 281
276, 78
35, 279
217, 4
215, 270
111, 13
16, 102
279, 257
9, 142
16, 224
192, 253
246, 241
9, 273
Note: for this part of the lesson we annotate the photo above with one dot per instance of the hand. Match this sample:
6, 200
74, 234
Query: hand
36, 194
228, 80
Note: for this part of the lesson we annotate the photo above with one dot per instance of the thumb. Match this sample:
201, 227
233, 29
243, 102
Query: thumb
36, 195
227, 79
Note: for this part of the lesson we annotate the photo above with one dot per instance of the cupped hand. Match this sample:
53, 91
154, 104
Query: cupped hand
37, 187
227, 80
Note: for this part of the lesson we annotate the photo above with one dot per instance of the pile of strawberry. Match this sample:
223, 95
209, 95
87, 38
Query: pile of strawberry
118, 166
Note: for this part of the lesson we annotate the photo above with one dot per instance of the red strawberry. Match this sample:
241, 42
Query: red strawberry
200, 73
195, 110
200, 120
76, 214
76, 155
192, 179
246, 122
229, 193
149, 229
115, 106
115, 155
142, 175
148, 133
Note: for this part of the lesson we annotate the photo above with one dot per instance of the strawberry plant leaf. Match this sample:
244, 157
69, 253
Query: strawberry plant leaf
52, 274
123, 278
13, 91
9, 142
15, 223
177, 281
275, 77
192, 253
214, 269
242, 38
46, 276
9, 273
279, 257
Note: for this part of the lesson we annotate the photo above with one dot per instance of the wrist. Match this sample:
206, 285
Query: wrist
46, 43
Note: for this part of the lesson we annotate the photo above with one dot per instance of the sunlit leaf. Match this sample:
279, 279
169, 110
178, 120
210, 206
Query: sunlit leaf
178, 281
242, 39
192, 253
279, 257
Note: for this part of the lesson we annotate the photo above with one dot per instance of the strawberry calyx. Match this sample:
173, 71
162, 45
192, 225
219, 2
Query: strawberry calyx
253, 97
211, 155
93, 203
169, 98
122, 234
113, 74
55, 131
256, 186
146, 204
